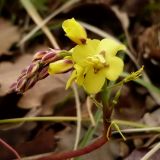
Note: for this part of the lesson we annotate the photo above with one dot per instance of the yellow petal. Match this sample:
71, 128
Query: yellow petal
81, 52
115, 68
94, 82
71, 79
60, 66
110, 46
77, 75
80, 74
74, 31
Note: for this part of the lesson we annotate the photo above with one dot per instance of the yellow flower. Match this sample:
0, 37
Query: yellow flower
74, 31
95, 62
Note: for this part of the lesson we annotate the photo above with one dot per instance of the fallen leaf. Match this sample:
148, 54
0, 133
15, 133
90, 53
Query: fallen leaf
9, 34
35, 96
149, 42
138, 154
150, 120
127, 108
10, 71
42, 142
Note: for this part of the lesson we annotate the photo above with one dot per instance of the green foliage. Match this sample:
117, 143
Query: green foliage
153, 6
2, 3
41, 5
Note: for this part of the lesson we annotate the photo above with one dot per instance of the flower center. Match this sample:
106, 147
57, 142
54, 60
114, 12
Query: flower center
97, 61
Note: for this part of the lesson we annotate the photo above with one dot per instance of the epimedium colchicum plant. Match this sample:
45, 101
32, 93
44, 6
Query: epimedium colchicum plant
92, 63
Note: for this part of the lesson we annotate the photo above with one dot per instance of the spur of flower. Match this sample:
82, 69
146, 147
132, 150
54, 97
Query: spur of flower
94, 61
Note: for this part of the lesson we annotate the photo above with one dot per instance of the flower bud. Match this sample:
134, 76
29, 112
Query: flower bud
30, 83
74, 31
43, 73
32, 69
49, 57
23, 74
60, 66
21, 85
39, 55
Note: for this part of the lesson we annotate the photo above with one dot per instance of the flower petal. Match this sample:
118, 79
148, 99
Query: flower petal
74, 31
94, 82
110, 46
115, 68
80, 74
71, 79
81, 52
60, 66
77, 75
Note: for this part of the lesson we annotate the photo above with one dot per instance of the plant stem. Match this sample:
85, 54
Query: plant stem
62, 156
31, 119
10, 148
89, 134
151, 152
107, 110
129, 123
79, 117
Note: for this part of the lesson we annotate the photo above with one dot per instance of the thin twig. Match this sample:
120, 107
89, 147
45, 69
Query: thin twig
138, 130
88, 104
10, 148
38, 20
47, 19
31, 119
124, 20
79, 118
129, 123
151, 152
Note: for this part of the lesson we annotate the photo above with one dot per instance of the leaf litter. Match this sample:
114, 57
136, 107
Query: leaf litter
49, 98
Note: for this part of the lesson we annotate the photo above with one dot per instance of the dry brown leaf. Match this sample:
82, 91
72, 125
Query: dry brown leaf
138, 154
8, 35
24, 144
52, 98
150, 120
155, 114
129, 105
10, 71
133, 7
149, 42
36, 95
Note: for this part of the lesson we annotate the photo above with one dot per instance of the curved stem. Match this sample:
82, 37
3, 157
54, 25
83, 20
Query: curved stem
10, 148
70, 154
79, 117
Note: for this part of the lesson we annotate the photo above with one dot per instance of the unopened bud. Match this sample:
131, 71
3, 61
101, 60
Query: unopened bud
21, 85
75, 31
21, 76
30, 83
134, 75
39, 55
49, 57
43, 73
60, 66
32, 69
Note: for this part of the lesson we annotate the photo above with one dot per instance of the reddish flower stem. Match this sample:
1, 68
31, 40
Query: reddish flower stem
10, 148
70, 154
